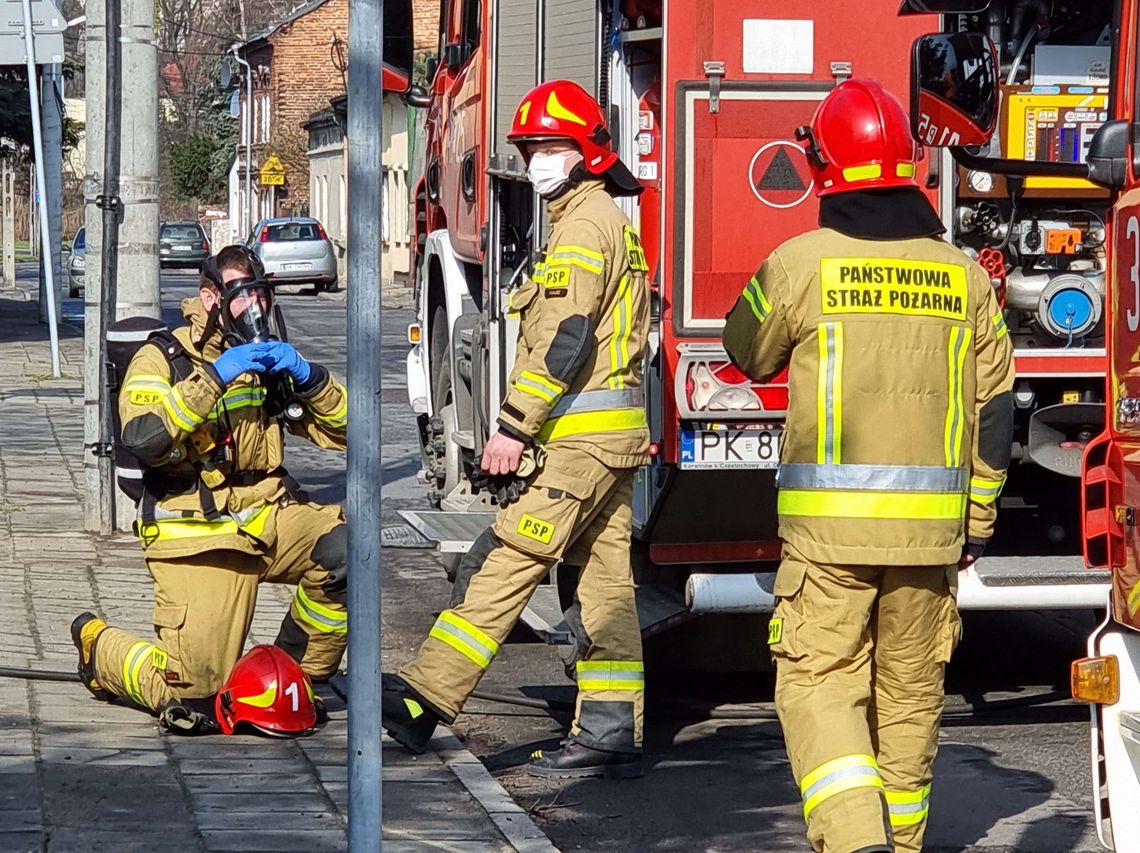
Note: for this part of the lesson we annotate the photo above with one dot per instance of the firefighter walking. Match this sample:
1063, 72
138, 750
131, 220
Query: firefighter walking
204, 410
898, 439
575, 398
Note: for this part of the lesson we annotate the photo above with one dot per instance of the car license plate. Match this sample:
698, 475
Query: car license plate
758, 447
182, 247
295, 267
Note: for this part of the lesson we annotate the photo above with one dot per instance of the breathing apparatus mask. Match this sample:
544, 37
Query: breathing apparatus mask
247, 313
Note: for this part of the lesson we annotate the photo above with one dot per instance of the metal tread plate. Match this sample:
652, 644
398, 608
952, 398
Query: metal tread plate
1036, 571
454, 531
658, 608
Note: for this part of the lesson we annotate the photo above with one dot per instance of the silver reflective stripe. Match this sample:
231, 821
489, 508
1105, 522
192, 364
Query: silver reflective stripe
832, 778
887, 478
128, 473
130, 336
463, 637
831, 333
598, 401
908, 808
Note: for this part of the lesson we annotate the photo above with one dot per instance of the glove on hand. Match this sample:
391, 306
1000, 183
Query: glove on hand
286, 359
247, 358
505, 489
180, 720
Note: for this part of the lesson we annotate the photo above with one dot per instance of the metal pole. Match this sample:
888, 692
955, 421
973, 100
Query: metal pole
111, 205
365, 147
52, 98
38, 147
247, 133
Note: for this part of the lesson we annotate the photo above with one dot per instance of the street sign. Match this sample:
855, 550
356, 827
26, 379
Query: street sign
46, 17
48, 48
272, 173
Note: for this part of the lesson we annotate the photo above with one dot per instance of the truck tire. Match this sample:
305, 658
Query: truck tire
442, 451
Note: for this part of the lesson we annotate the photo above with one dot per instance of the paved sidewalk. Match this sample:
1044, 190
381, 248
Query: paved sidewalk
79, 775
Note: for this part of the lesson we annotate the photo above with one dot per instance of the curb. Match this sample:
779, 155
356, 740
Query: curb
515, 824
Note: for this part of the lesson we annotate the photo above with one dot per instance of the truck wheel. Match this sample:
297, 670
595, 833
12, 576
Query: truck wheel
442, 451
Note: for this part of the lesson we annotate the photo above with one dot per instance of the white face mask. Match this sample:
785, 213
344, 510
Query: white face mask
547, 172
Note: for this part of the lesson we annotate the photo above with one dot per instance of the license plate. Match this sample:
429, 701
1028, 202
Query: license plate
183, 248
294, 267
731, 448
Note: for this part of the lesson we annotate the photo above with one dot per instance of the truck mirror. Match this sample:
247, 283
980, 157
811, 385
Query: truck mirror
417, 97
398, 37
954, 89
454, 55
1108, 154
432, 63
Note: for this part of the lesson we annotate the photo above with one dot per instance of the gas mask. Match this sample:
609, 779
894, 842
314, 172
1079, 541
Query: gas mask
249, 314
548, 172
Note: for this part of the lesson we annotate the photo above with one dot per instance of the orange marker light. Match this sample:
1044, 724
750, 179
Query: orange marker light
414, 333
1096, 680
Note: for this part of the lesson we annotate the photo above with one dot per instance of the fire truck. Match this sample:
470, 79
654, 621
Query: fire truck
704, 97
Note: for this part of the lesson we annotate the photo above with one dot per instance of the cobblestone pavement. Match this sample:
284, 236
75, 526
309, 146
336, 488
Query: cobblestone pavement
79, 775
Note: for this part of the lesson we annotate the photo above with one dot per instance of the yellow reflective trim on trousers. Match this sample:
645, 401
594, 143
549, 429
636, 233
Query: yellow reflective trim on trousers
1134, 599
908, 808
610, 675
984, 490
863, 504
836, 776
829, 391
955, 414
754, 295
465, 638
338, 418
539, 386
132, 668
324, 619
999, 324
190, 528
579, 423
181, 414
623, 327
863, 173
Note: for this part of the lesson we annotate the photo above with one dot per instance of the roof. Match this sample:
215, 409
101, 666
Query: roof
300, 12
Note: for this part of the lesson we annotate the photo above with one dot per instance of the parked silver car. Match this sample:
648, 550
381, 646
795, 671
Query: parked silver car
77, 262
295, 251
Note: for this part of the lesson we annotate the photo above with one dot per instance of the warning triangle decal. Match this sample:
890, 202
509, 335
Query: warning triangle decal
781, 174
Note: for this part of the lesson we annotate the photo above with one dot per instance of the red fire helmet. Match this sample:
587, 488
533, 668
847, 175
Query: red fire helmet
859, 139
268, 690
561, 109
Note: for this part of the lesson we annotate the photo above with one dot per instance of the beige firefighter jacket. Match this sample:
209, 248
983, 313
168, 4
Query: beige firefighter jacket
900, 417
175, 427
583, 329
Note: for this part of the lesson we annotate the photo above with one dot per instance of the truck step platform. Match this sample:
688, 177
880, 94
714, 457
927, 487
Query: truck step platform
454, 531
1130, 726
1034, 571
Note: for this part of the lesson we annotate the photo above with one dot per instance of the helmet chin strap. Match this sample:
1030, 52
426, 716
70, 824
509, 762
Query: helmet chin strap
212, 318
576, 176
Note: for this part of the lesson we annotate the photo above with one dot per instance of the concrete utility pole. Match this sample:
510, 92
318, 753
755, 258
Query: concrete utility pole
52, 120
365, 148
136, 273
8, 188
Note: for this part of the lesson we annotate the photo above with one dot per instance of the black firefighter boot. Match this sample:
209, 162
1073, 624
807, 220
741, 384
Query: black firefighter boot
578, 761
406, 716
85, 631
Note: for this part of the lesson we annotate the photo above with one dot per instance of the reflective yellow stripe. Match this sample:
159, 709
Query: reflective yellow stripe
132, 668
999, 324
623, 327
904, 170
757, 301
829, 390
239, 398
190, 528
181, 414
577, 256
863, 173
338, 418
610, 675
614, 420
908, 808
465, 638
1134, 599
955, 415
836, 776
861, 504
261, 700
324, 619
539, 386
984, 490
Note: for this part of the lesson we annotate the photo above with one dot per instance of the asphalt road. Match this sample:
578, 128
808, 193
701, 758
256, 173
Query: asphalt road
1017, 781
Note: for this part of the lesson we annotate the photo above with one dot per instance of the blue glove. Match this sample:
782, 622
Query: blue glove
286, 359
247, 358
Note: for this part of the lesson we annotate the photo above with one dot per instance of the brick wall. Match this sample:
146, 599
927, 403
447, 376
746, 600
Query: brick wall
426, 22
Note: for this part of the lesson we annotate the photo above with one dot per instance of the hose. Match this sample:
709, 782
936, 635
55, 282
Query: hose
767, 711
37, 674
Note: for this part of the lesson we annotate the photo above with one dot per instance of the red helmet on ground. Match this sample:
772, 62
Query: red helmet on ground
859, 139
268, 690
561, 109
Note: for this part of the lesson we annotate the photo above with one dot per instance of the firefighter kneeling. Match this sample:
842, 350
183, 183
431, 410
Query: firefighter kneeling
898, 438
203, 410
575, 391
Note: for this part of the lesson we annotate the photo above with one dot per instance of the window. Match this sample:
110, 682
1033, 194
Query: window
80, 241
472, 21
265, 117
343, 208
293, 231
187, 233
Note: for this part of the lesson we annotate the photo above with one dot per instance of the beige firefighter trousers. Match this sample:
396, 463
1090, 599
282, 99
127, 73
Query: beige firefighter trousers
579, 508
860, 656
204, 606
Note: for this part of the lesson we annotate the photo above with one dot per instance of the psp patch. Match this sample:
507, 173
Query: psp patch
145, 398
536, 529
775, 630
